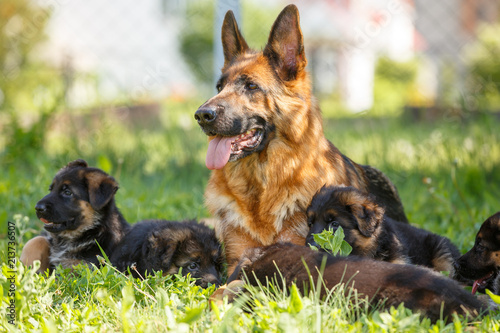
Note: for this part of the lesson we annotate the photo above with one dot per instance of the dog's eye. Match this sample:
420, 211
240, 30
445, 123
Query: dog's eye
251, 86
334, 225
67, 193
480, 248
219, 87
329, 218
192, 266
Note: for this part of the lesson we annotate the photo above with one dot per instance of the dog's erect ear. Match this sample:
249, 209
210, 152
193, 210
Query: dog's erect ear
77, 163
368, 215
101, 188
232, 41
285, 47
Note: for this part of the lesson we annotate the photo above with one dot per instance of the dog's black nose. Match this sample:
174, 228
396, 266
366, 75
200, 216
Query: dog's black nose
310, 241
41, 207
205, 115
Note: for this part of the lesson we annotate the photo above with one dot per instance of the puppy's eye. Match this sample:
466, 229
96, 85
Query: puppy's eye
67, 193
329, 218
480, 248
251, 86
219, 87
334, 225
192, 266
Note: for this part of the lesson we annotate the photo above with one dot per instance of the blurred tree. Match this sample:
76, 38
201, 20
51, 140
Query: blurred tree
27, 86
483, 62
197, 38
393, 85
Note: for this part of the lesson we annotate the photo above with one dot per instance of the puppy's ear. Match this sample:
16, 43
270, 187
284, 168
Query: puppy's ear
368, 215
77, 163
102, 189
155, 243
233, 43
285, 46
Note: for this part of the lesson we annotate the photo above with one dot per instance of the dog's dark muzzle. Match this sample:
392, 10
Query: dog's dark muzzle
207, 116
310, 241
51, 219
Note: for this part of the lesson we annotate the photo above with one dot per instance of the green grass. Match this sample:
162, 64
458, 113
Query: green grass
447, 174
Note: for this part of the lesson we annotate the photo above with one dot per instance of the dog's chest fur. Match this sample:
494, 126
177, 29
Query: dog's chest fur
271, 205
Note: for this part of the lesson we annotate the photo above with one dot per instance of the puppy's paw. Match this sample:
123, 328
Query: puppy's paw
229, 291
37, 248
233, 289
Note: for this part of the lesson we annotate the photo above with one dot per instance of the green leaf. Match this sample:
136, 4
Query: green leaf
495, 298
333, 243
192, 315
295, 300
104, 163
345, 248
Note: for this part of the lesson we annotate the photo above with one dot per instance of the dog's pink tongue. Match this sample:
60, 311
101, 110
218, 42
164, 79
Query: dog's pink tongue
219, 150
475, 285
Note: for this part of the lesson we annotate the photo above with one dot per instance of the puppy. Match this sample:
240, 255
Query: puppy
78, 213
419, 288
482, 263
372, 234
167, 246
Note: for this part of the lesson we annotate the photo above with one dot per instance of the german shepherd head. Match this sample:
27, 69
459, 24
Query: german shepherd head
242, 118
482, 263
356, 212
78, 197
80, 210
170, 246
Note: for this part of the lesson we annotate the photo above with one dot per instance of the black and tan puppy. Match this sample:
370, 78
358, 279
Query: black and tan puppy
482, 263
372, 234
167, 246
78, 213
419, 288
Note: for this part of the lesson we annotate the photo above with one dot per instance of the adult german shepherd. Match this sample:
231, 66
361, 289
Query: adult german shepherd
266, 143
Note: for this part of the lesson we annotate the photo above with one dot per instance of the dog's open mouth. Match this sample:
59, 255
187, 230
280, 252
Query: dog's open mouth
55, 227
482, 283
222, 149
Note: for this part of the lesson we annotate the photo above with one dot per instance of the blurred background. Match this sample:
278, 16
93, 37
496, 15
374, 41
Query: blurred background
410, 86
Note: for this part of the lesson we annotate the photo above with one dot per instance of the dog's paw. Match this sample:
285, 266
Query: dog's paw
37, 248
230, 291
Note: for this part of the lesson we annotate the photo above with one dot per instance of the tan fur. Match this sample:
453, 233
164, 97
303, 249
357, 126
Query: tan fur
365, 245
88, 219
37, 248
443, 263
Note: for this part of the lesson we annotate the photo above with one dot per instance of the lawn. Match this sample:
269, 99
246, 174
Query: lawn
446, 172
